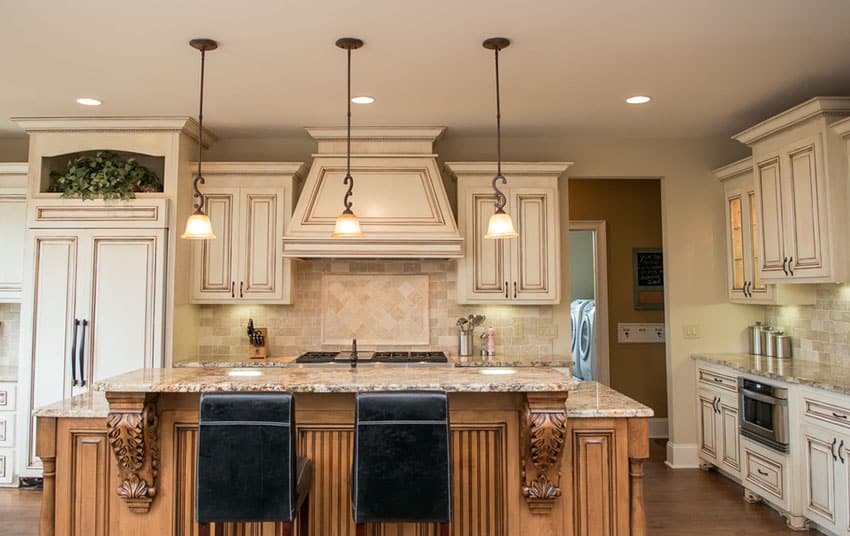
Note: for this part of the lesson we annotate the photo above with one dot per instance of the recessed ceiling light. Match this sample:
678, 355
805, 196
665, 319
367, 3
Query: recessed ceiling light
638, 99
363, 99
88, 101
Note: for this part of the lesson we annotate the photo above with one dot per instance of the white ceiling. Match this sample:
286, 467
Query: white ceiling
712, 66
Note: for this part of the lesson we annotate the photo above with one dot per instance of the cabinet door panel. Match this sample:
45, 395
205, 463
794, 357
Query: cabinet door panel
736, 238
820, 473
534, 261
54, 304
729, 440
125, 319
13, 231
487, 277
806, 188
772, 237
215, 260
707, 427
259, 248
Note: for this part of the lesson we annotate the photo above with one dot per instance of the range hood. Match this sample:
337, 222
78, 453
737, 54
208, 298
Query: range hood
399, 197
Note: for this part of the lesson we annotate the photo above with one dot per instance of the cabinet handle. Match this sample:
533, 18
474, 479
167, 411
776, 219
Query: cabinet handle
83, 353
785, 265
840, 448
762, 473
749, 289
745, 289
716, 404
506, 290
791, 261
233, 289
74, 353
839, 416
832, 449
241, 284
718, 380
514, 289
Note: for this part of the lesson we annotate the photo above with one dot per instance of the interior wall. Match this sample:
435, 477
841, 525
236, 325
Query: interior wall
582, 264
632, 213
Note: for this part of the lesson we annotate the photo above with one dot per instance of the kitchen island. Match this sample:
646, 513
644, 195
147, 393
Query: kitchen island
533, 451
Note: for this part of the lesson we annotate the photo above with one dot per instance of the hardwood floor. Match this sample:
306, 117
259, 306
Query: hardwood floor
687, 502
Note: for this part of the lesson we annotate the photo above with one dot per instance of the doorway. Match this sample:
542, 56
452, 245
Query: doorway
589, 300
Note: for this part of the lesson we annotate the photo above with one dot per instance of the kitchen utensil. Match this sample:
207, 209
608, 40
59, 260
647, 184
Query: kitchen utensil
464, 343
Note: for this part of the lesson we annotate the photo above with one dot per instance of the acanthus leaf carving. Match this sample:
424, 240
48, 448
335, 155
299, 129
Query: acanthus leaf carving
132, 434
544, 437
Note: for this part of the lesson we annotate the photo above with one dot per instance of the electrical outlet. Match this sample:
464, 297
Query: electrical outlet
636, 333
691, 331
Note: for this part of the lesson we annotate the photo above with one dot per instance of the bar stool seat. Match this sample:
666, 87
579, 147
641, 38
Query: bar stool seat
247, 468
401, 470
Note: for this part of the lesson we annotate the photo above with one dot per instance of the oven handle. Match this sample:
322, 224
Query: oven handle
764, 398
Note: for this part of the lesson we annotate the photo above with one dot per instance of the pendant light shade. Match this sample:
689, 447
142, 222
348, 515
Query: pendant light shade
501, 225
199, 226
347, 224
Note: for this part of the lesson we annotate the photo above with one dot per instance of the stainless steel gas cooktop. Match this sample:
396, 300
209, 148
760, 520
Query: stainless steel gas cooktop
403, 357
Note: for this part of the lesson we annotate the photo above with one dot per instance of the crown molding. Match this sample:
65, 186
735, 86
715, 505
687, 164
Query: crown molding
842, 127
187, 125
509, 168
254, 168
735, 169
811, 108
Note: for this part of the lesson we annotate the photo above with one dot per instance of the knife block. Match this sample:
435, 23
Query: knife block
260, 352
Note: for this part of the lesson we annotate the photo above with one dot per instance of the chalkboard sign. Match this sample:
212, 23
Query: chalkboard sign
648, 273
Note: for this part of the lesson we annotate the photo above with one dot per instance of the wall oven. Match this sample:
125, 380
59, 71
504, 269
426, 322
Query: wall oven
764, 413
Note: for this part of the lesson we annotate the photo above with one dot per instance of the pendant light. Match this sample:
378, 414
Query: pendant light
500, 226
198, 226
347, 224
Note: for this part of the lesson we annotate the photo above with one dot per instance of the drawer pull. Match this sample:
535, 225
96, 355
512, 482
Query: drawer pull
762, 473
839, 416
840, 449
718, 380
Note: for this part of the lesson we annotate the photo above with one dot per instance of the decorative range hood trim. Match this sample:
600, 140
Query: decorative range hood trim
379, 155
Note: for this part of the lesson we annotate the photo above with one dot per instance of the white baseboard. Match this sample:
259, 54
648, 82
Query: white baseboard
682, 456
658, 428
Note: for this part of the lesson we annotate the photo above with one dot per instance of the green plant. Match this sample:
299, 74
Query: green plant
104, 175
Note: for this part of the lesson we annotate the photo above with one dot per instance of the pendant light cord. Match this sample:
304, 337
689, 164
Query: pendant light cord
349, 180
199, 178
501, 199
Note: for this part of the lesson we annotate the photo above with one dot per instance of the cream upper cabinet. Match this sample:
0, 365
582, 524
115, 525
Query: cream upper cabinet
249, 205
801, 185
13, 218
743, 248
524, 270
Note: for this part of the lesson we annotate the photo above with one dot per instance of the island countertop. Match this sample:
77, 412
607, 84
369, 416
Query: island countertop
501, 360
342, 379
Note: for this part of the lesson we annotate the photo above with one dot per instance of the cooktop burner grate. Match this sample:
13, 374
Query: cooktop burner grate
317, 357
409, 357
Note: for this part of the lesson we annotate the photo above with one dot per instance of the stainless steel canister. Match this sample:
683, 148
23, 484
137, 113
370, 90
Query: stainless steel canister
464, 343
783, 346
770, 341
756, 345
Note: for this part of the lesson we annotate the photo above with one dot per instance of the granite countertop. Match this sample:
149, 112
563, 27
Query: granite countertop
593, 399
827, 376
588, 400
8, 374
88, 405
506, 360
333, 379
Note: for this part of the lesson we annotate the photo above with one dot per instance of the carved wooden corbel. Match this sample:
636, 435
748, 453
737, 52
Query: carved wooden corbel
132, 432
543, 437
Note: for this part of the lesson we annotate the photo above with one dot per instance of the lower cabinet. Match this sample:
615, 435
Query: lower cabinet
717, 414
825, 466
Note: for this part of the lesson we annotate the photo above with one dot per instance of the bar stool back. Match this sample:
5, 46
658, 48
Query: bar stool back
247, 468
402, 469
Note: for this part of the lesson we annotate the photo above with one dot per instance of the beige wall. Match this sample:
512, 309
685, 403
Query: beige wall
632, 212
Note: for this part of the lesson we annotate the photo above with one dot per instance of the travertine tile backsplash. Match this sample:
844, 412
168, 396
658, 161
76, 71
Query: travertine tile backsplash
821, 332
10, 327
527, 330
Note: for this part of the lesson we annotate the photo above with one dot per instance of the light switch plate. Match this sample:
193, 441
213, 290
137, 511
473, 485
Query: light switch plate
640, 333
690, 331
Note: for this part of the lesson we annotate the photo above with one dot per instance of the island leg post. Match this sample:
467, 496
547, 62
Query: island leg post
45, 448
638, 454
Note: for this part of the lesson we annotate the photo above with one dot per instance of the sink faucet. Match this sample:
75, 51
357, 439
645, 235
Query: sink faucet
353, 356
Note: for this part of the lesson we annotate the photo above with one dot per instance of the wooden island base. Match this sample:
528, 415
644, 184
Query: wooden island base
522, 464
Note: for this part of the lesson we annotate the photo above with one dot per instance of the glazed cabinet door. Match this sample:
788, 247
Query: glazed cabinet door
124, 319
707, 418
216, 261
728, 438
534, 254
13, 217
56, 329
736, 245
260, 247
821, 465
769, 195
483, 274
807, 245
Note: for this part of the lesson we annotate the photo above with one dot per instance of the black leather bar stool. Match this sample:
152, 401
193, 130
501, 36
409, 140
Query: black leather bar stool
402, 469
247, 468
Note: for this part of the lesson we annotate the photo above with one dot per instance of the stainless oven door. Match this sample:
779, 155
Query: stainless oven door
764, 414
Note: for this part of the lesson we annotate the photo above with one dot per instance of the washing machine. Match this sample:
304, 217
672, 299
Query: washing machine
585, 345
576, 309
